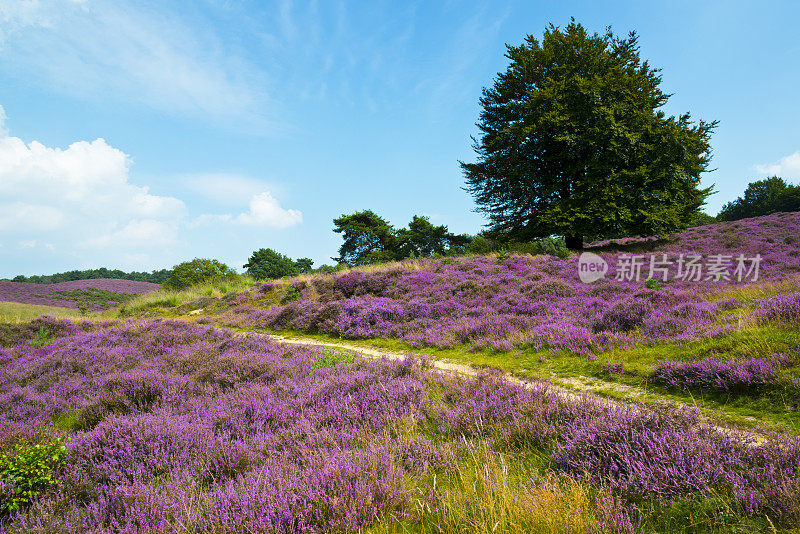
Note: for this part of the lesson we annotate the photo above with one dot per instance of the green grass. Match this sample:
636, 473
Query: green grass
16, 312
165, 301
92, 297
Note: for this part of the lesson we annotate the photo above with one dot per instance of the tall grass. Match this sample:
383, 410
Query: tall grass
16, 312
170, 298
492, 492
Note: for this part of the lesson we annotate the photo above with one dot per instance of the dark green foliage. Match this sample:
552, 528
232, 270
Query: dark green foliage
652, 283
197, 271
573, 143
423, 239
303, 265
291, 295
702, 218
266, 263
29, 470
762, 197
368, 238
489, 242
155, 277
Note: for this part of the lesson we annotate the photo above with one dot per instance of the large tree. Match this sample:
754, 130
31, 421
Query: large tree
573, 142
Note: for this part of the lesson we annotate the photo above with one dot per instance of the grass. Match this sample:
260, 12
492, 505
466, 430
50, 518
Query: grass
165, 299
93, 298
17, 312
489, 491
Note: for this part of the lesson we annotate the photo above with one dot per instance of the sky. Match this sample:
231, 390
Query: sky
136, 135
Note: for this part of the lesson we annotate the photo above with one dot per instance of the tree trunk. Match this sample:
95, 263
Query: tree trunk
574, 242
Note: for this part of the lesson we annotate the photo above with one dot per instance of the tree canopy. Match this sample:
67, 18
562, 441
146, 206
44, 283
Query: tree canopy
368, 238
266, 263
156, 277
573, 142
762, 197
196, 271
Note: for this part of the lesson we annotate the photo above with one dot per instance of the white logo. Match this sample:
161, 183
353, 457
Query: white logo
591, 267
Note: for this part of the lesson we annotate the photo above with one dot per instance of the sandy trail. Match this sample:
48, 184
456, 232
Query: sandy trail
752, 437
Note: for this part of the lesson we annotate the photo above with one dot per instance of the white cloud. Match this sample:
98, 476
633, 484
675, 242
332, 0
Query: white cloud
137, 234
787, 167
265, 210
130, 51
80, 201
226, 188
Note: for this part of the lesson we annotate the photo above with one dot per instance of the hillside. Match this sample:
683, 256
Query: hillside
521, 302
95, 294
154, 424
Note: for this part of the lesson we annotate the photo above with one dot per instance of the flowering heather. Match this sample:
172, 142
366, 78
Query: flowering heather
775, 237
489, 304
522, 302
177, 427
68, 294
757, 374
782, 307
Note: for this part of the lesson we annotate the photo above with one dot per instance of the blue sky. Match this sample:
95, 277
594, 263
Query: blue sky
136, 135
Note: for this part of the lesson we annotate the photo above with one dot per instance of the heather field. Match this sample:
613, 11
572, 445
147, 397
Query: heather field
94, 294
165, 426
182, 415
503, 303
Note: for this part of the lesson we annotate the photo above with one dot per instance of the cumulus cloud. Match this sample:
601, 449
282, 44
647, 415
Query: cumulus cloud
265, 210
81, 198
223, 188
3, 131
787, 167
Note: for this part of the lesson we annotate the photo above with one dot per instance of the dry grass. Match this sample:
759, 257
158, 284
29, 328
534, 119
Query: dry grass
17, 312
169, 298
753, 292
492, 493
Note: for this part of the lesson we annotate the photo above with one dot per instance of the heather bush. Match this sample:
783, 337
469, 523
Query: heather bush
741, 376
781, 307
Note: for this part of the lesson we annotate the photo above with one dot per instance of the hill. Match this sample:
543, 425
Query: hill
94, 294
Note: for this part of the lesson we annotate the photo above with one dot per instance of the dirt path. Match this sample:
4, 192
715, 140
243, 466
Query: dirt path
754, 438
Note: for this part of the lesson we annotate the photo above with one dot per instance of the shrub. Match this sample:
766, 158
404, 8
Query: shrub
721, 375
197, 271
28, 471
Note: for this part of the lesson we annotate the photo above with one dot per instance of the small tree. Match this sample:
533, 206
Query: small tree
303, 265
265, 263
368, 238
197, 271
762, 198
573, 143
423, 239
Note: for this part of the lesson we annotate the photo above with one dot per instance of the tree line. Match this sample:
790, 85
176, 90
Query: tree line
155, 277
